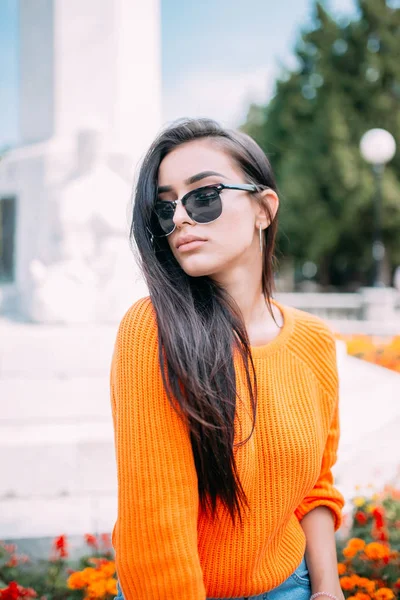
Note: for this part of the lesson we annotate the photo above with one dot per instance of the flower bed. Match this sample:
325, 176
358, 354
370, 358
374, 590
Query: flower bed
58, 578
379, 351
368, 560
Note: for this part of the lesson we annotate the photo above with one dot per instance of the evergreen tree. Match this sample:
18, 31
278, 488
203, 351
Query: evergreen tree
347, 81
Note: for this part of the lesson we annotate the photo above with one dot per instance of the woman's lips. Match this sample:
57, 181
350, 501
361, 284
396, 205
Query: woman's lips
191, 246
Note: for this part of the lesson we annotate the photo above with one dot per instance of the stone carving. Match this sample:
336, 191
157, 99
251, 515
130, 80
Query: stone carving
95, 277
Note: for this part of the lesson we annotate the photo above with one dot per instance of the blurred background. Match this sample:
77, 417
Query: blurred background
84, 88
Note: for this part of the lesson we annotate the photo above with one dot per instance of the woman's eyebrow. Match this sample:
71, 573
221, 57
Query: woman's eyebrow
192, 179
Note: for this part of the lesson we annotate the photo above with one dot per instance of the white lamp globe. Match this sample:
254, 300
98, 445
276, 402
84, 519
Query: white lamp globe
377, 146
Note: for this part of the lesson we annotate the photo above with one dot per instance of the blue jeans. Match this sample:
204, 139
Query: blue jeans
296, 587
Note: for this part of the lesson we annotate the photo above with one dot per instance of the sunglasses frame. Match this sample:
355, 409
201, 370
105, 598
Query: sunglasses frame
246, 187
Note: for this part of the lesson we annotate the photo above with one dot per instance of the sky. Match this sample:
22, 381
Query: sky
217, 55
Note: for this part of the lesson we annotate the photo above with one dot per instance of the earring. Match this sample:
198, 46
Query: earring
261, 244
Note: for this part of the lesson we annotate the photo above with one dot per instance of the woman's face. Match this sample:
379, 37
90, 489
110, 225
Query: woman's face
229, 241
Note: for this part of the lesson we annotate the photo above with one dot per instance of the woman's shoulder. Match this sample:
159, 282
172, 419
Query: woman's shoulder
311, 327
313, 340
138, 326
140, 310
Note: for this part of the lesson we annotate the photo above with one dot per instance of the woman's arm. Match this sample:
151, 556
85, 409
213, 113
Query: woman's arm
155, 536
318, 526
320, 512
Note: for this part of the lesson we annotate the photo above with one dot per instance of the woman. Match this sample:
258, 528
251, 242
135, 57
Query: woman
225, 402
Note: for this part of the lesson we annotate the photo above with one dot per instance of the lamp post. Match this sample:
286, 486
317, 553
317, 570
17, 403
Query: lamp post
377, 147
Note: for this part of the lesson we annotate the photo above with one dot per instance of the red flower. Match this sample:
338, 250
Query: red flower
383, 536
9, 548
106, 541
378, 515
361, 517
60, 546
13, 562
11, 592
16, 592
91, 540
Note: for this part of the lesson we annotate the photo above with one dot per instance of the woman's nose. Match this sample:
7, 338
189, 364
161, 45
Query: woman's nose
180, 215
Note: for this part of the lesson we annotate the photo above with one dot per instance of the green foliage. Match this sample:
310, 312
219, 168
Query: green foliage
347, 81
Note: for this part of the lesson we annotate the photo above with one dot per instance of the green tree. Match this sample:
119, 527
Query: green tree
347, 81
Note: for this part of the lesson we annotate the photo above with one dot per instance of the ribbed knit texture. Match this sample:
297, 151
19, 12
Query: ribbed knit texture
166, 547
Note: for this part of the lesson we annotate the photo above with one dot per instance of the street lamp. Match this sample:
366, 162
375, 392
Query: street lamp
377, 147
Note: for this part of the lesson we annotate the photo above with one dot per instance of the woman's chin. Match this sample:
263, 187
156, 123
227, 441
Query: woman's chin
198, 268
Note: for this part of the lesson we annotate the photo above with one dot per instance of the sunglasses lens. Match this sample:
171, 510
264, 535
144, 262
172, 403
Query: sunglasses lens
204, 206
163, 223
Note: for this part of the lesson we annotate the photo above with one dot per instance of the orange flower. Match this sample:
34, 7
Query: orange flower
97, 589
384, 594
353, 547
376, 551
108, 569
346, 583
349, 552
76, 581
379, 352
97, 580
362, 596
341, 568
357, 543
363, 582
367, 584
111, 587
89, 574
359, 345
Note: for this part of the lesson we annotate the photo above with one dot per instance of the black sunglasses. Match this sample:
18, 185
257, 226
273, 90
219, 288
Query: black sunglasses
203, 205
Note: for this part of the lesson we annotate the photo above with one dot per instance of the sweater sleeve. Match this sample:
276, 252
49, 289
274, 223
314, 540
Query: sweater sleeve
155, 535
324, 492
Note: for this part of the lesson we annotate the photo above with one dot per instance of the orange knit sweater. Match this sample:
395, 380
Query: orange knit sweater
165, 547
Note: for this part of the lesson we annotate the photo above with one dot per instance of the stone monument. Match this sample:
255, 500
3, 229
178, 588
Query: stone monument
89, 107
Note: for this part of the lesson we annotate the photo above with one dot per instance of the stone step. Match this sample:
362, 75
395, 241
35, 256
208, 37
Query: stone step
62, 460
56, 435
38, 352
55, 400
50, 515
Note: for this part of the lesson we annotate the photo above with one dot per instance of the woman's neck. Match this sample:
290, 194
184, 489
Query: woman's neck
246, 290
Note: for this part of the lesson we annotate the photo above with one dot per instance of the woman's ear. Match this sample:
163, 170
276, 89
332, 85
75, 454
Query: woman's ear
267, 207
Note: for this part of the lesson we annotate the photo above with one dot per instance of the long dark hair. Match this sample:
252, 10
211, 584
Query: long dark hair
199, 323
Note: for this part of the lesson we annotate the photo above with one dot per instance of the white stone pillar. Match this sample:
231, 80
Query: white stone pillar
90, 61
